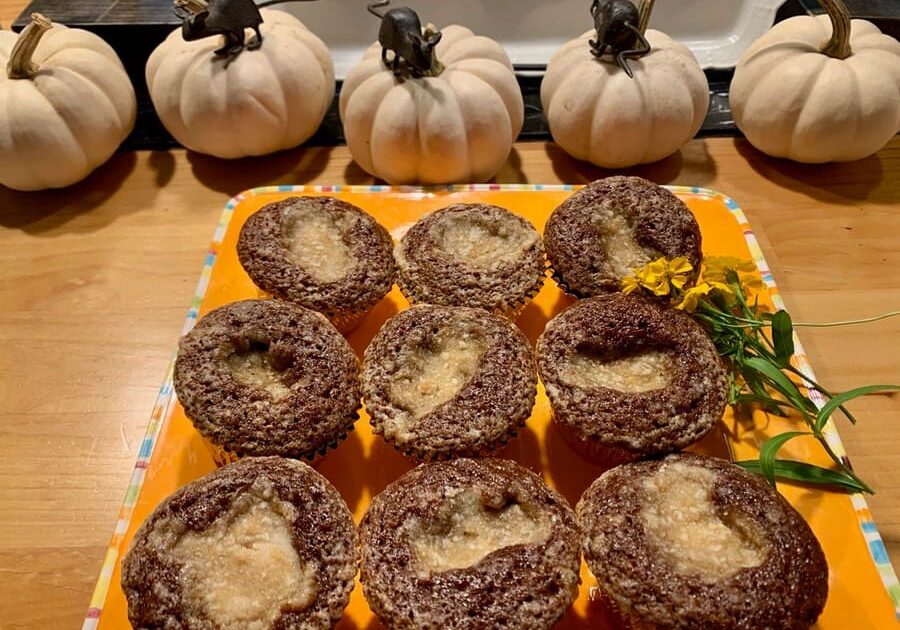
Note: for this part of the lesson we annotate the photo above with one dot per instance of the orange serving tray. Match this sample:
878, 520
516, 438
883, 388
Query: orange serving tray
863, 587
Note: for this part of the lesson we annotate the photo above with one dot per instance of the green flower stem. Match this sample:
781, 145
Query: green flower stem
849, 322
758, 347
741, 337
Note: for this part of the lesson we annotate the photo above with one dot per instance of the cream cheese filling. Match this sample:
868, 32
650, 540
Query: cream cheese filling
255, 369
466, 531
641, 372
623, 252
243, 570
484, 244
690, 533
435, 370
315, 242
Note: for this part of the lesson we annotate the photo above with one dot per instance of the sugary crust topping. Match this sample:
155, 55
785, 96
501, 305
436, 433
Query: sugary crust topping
600, 233
476, 405
521, 586
319, 252
610, 327
316, 393
475, 255
303, 505
787, 589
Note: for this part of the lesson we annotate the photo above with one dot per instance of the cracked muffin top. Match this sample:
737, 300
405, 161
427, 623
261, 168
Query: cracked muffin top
441, 381
266, 377
262, 543
469, 544
319, 252
471, 254
612, 226
697, 542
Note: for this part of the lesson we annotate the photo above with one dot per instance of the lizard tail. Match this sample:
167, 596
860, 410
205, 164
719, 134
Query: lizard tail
375, 5
267, 3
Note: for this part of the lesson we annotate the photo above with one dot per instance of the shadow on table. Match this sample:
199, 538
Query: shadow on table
511, 172
846, 183
691, 165
354, 175
293, 166
44, 211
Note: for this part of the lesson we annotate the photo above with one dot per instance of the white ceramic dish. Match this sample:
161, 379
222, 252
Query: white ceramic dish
717, 31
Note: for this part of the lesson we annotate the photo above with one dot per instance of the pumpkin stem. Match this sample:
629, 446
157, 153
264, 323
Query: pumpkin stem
646, 10
838, 46
20, 65
437, 67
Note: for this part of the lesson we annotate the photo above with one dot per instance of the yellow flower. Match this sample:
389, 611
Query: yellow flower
692, 296
678, 269
679, 265
715, 267
630, 284
659, 276
719, 286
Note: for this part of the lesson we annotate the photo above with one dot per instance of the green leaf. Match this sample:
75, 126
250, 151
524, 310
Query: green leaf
770, 449
781, 383
808, 473
755, 384
783, 337
840, 399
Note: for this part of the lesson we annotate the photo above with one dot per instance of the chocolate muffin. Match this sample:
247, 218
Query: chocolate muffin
265, 377
442, 381
469, 544
629, 377
612, 226
697, 542
471, 254
321, 253
262, 543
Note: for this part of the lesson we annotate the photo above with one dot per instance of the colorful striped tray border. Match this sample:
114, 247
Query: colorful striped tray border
166, 398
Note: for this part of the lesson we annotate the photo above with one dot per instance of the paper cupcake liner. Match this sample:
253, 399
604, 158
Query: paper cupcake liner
316, 457
223, 456
347, 322
561, 282
592, 449
512, 312
422, 455
509, 311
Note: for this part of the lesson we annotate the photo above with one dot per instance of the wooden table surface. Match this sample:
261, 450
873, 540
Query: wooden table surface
95, 282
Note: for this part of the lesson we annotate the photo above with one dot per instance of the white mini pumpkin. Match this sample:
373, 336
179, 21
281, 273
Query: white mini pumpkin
599, 114
66, 104
458, 126
814, 93
257, 102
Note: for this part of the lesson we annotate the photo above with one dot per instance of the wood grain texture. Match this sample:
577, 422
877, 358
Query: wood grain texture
95, 282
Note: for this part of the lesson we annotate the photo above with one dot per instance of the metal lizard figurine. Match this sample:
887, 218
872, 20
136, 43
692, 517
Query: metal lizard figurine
617, 32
